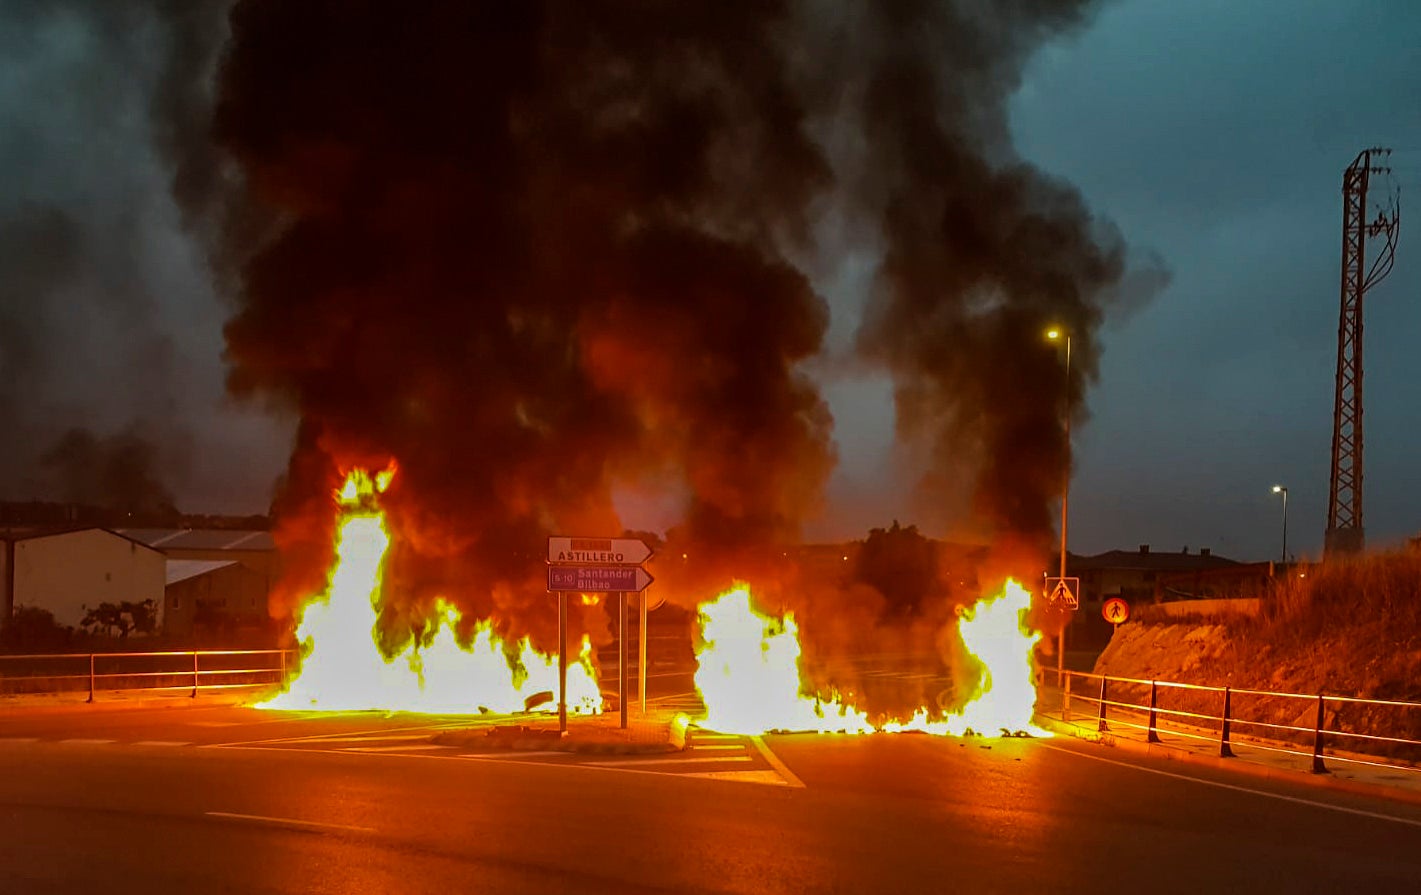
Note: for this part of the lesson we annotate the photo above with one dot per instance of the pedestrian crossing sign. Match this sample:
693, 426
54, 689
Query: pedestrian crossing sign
1063, 592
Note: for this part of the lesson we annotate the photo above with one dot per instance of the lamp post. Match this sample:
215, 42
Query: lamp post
1281, 489
1055, 335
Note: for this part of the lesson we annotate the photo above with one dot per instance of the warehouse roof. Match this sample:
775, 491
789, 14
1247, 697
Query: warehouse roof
34, 532
183, 569
201, 538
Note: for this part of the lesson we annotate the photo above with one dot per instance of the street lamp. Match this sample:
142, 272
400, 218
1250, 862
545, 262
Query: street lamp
1281, 489
1055, 334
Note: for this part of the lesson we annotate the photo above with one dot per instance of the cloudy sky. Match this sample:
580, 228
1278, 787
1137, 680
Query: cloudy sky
1216, 133
1213, 133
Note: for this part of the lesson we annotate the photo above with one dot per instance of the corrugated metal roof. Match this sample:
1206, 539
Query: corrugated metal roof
201, 538
183, 569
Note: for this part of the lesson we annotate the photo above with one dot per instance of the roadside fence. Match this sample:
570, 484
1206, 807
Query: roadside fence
165, 671
1316, 727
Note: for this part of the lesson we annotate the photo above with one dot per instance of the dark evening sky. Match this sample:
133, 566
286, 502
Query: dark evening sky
1213, 134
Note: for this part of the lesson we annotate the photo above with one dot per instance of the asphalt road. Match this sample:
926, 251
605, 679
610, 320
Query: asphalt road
206, 799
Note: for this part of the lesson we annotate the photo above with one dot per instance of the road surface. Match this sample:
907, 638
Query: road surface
210, 799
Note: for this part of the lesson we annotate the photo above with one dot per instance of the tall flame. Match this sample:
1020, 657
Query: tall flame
750, 678
342, 670
748, 673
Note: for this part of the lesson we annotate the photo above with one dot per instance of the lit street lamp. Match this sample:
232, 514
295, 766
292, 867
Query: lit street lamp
1280, 489
1055, 335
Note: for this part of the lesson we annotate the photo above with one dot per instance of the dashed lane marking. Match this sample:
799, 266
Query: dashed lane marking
412, 747
771, 778
701, 747
19, 739
84, 742
678, 761
161, 743
514, 758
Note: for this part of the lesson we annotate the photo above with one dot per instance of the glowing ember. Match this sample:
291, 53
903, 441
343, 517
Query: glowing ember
342, 670
750, 680
748, 674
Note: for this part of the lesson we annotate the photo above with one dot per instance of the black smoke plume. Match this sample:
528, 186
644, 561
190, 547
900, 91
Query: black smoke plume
531, 251
540, 251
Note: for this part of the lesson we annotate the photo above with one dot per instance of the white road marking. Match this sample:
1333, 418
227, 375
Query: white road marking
562, 766
83, 742
288, 822
1235, 788
770, 778
512, 756
774, 760
375, 733
639, 761
161, 743
701, 747
699, 737
19, 739
369, 738
414, 747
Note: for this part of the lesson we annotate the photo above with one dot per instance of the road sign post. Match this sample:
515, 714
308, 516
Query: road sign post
622, 657
562, 664
641, 646
1063, 593
599, 565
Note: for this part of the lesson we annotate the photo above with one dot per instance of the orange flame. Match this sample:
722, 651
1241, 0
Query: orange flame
342, 670
750, 678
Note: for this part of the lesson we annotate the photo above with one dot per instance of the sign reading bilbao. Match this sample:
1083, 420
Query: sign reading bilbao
598, 579
598, 551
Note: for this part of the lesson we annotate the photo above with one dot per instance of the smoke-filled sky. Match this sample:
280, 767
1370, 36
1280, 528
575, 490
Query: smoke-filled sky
1206, 142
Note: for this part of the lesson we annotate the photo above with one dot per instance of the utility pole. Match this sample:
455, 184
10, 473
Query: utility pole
1345, 532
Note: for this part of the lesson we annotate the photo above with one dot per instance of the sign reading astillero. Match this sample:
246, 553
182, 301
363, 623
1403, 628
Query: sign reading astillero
598, 551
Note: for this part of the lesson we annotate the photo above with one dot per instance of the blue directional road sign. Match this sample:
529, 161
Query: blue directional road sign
598, 579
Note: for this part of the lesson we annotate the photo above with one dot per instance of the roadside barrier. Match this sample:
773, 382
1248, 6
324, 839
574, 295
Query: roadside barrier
161, 671
1271, 721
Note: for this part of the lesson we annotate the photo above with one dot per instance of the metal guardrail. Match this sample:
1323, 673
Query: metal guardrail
165, 670
1319, 733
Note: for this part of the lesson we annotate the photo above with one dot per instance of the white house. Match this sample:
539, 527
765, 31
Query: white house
70, 572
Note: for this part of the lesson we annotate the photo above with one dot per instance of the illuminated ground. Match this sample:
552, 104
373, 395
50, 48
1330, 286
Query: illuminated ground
210, 799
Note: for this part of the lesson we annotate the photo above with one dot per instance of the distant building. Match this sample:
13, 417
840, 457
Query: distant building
213, 594
67, 572
216, 578
1146, 574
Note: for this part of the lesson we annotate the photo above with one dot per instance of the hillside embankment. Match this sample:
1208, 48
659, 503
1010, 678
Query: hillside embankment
1347, 628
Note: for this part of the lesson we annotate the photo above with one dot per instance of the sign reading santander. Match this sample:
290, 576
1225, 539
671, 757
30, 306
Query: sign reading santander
598, 551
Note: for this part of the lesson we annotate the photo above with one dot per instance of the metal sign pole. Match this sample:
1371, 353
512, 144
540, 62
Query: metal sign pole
622, 656
641, 644
562, 662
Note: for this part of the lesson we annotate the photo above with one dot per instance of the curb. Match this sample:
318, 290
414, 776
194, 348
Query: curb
1241, 766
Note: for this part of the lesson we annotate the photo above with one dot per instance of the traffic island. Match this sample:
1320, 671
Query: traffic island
588, 734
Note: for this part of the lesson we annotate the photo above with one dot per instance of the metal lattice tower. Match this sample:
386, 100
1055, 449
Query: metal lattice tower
1345, 533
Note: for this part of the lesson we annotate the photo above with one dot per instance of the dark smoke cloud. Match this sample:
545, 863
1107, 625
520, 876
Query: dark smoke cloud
537, 252
97, 305
530, 252
121, 471
982, 252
